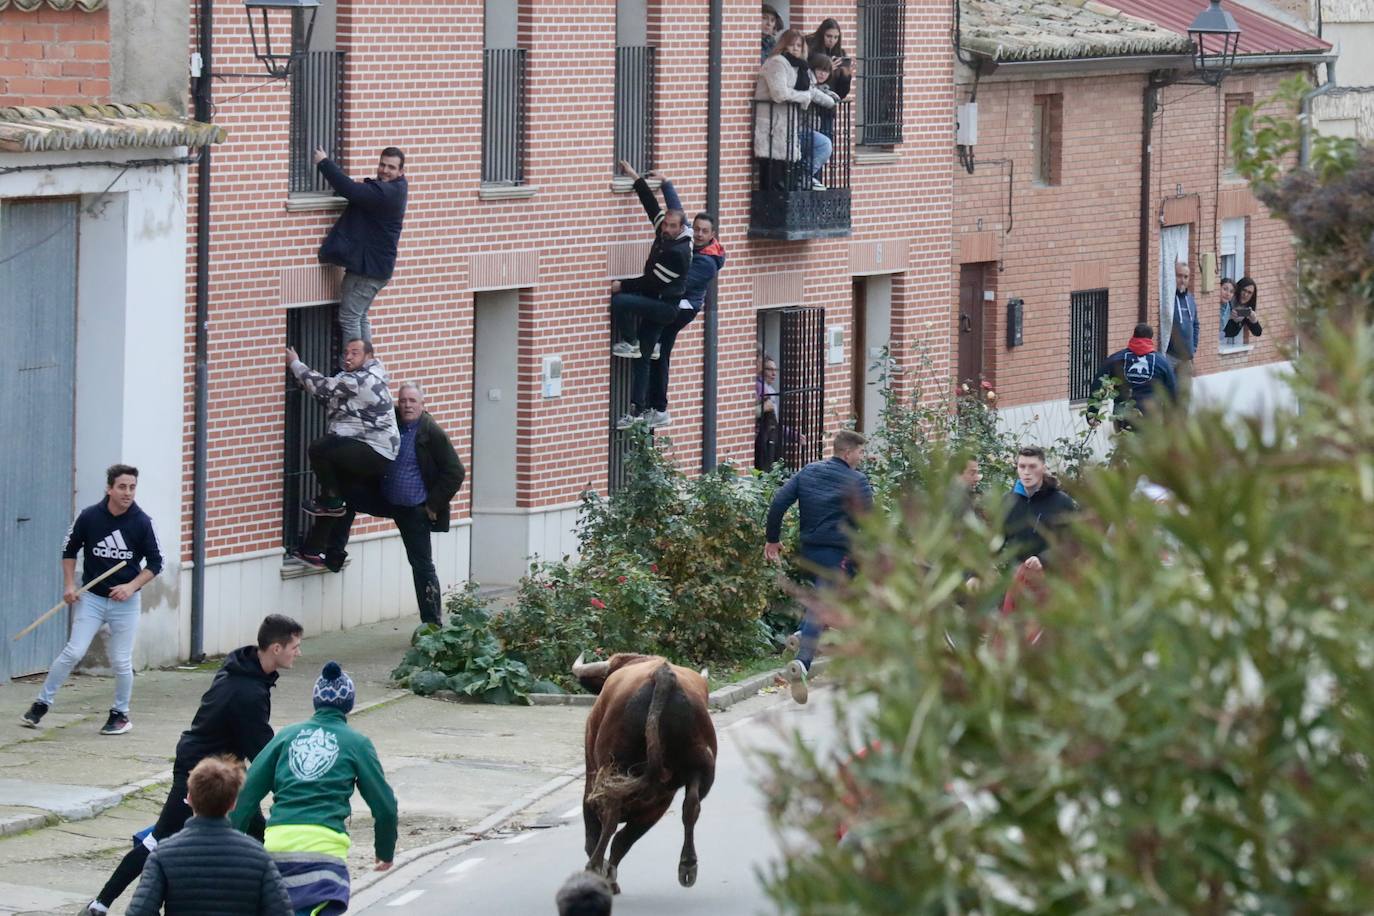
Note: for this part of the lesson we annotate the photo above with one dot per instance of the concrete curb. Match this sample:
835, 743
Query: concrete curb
720, 699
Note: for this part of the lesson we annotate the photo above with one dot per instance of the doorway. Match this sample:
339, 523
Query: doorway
872, 337
499, 541
970, 324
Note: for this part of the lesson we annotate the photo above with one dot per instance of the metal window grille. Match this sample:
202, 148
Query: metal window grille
317, 84
503, 116
882, 46
621, 383
797, 436
314, 332
1087, 340
634, 107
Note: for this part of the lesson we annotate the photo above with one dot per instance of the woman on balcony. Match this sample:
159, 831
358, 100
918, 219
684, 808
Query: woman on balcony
782, 93
828, 40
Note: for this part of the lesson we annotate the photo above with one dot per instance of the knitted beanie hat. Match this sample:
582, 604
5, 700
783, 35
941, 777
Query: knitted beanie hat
334, 688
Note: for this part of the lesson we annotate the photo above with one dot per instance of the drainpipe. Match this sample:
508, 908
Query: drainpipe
1305, 150
203, 113
1149, 101
710, 342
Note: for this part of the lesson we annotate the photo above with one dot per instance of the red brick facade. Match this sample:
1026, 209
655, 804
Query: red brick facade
54, 57
415, 81
1083, 233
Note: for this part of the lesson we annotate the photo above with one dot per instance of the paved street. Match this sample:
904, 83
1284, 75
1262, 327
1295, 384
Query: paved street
519, 873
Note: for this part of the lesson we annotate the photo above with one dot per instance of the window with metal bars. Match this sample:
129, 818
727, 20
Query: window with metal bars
793, 430
317, 84
1087, 340
881, 62
634, 108
314, 332
621, 383
503, 116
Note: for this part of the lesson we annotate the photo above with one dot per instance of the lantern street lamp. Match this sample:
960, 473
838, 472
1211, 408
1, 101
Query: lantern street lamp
1215, 39
277, 59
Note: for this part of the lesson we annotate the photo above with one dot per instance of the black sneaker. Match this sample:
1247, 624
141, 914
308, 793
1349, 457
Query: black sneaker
327, 508
117, 724
313, 560
35, 715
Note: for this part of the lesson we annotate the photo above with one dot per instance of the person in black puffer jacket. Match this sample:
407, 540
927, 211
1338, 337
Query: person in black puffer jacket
233, 718
209, 868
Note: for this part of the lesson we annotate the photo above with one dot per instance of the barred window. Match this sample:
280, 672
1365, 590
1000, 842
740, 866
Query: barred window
314, 332
1087, 340
317, 93
881, 61
790, 403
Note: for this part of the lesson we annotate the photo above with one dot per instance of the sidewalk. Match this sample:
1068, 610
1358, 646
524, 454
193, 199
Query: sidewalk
70, 798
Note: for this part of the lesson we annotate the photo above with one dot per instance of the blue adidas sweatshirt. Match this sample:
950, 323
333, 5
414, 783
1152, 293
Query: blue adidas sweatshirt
105, 539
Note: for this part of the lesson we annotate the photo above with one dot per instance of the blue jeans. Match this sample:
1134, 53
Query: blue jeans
816, 150
91, 612
355, 298
823, 559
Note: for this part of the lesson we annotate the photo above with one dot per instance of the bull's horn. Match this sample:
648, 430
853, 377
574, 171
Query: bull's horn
592, 669
705, 674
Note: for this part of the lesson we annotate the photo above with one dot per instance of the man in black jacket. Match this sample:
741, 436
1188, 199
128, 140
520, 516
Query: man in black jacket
233, 718
655, 295
415, 494
366, 235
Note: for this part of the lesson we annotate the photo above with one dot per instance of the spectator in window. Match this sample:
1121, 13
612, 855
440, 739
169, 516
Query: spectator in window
364, 238
772, 25
653, 297
781, 93
767, 442
832, 494
1182, 340
361, 439
414, 493
209, 867
1243, 310
649, 394
823, 100
828, 40
1140, 374
1227, 297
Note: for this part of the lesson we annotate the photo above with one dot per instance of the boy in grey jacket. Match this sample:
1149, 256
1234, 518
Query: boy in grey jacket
209, 867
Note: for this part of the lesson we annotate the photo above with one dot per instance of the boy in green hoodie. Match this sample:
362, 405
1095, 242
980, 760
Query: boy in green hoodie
311, 769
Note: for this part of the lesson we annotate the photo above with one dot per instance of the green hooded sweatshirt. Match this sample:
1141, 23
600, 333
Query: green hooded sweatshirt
311, 768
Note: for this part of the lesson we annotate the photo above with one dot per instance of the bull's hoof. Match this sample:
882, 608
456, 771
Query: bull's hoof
687, 874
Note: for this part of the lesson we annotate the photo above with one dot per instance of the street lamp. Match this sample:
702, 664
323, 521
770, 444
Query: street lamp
1215, 38
302, 13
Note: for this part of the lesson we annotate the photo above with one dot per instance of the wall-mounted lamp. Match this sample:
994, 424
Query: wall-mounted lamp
300, 21
1215, 40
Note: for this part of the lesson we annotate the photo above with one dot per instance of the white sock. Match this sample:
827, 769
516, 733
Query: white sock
95, 906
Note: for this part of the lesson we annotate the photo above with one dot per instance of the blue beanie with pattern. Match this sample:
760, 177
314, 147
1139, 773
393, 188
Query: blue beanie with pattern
334, 688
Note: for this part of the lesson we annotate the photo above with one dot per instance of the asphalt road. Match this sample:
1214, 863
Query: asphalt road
518, 874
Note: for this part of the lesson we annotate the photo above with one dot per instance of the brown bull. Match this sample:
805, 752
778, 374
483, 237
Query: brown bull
649, 734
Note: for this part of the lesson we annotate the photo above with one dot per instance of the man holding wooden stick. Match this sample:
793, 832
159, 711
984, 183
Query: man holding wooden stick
113, 532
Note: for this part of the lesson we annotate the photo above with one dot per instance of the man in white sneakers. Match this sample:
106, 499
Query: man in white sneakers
114, 530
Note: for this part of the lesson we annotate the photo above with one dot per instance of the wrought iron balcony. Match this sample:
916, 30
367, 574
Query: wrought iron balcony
797, 192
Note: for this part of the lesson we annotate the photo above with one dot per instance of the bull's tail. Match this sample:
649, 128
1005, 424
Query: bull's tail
664, 682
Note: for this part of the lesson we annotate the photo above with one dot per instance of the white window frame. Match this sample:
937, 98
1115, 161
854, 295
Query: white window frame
1232, 246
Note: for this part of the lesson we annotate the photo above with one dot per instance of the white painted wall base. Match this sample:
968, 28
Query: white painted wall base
506, 541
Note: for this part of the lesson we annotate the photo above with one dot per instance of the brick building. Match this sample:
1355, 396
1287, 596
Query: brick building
93, 164
1048, 214
512, 116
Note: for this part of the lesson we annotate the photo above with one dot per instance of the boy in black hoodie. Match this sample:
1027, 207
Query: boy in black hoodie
233, 718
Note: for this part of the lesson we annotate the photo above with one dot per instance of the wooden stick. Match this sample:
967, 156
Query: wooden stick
63, 603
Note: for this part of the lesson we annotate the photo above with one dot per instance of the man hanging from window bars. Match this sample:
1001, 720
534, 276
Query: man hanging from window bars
649, 392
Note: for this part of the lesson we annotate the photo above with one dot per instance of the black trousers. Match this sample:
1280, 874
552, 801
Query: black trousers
658, 369
340, 462
175, 813
329, 536
628, 308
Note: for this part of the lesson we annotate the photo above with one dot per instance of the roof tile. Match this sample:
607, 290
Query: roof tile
27, 129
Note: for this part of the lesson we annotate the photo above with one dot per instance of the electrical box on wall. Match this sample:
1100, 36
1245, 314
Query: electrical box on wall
966, 124
552, 377
1015, 317
834, 345
1207, 268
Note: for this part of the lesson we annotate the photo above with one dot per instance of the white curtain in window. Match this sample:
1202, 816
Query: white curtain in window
1173, 247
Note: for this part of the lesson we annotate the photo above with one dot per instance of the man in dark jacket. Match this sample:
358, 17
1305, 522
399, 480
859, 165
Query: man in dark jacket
649, 392
654, 296
1139, 372
209, 868
415, 494
233, 718
832, 494
365, 236
1036, 507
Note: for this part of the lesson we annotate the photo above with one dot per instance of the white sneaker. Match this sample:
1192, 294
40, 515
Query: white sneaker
795, 672
626, 350
658, 418
816, 185
655, 355
628, 420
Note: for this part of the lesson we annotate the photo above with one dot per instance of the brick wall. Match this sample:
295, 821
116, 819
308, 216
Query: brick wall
1087, 227
54, 57
415, 81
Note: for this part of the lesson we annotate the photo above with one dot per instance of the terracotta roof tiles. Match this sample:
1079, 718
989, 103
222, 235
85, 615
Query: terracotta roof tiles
1026, 30
28, 6
114, 126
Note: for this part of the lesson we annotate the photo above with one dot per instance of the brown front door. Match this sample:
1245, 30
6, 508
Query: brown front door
970, 323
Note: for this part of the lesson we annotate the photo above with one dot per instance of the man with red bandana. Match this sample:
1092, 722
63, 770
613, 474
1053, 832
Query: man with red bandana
1140, 372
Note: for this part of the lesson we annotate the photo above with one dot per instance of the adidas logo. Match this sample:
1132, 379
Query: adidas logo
112, 548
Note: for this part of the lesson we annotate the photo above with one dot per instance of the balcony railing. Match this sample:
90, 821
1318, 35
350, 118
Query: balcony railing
317, 84
634, 107
797, 192
503, 116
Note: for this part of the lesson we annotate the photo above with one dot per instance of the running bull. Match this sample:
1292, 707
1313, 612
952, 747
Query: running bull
649, 734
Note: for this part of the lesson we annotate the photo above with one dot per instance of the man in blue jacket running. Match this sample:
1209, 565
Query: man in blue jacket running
832, 494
